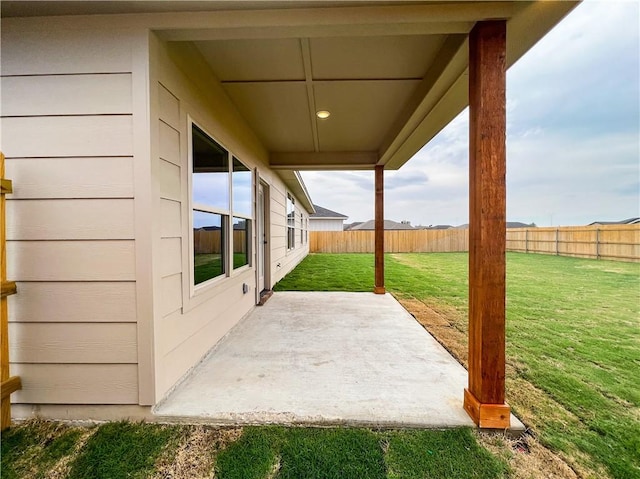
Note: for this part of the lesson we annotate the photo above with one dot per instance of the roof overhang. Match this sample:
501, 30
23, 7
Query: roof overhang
392, 74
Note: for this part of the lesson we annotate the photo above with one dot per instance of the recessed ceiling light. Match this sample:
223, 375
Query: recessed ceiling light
323, 114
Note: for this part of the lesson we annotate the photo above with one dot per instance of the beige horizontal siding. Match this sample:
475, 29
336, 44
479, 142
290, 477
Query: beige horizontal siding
67, 129
170, 218
66, 95
71, 260
74, 302
169, 144
40, 178
57, 136
170, 187
38, 51
70, 219
73, 343
170, 256
171, 293
169, 107
76, 383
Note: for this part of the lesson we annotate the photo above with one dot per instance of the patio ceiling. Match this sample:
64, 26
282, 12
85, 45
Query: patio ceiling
392, 74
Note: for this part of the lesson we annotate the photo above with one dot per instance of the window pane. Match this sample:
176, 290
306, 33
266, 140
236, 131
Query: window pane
241, 180
208, 246
210, 171
241, 230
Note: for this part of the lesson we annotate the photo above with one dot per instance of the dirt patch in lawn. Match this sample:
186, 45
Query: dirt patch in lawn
193, 457
441, 327
527, 457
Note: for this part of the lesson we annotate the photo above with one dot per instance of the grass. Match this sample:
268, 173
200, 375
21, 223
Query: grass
310, 453
573, 357
209, 265
572, 340
138, 450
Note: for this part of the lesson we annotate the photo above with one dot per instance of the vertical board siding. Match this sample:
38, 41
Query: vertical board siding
85, 343
612, 242
66, 95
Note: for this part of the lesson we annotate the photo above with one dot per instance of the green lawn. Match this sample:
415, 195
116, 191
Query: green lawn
118, 450
573, 360
573, 333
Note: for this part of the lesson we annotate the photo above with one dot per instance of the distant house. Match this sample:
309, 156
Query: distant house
388, 225
325, 219
628, 221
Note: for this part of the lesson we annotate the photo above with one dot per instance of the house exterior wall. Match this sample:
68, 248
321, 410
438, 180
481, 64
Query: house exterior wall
188, 324
67, 133
94, 130
326, 224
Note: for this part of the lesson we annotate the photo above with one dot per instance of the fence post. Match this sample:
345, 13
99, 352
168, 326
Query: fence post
8, 383
597, 243
557, 241
526, 240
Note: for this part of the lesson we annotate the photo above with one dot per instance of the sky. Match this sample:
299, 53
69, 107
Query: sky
573, 137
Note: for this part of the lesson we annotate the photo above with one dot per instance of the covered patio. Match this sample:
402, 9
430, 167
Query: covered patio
325, 358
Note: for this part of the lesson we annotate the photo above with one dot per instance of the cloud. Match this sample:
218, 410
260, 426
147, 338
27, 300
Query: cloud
573, 136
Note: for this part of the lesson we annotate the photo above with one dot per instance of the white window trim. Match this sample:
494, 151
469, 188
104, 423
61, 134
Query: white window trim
200, 291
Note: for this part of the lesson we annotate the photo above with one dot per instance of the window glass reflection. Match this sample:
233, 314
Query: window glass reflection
241, 187
241, 232
210, 171
208, 246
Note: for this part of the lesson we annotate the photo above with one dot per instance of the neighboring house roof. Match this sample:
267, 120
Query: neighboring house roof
326, 213
349, 226
628, 221
434, 227
388, 225
510, 224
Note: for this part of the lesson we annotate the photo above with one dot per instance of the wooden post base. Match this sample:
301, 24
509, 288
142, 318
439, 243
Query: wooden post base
379, 290
489, 416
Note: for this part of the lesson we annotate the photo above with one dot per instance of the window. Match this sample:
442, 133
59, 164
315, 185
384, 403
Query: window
291, 222
221, 190
210, 184
241, 192
301, 229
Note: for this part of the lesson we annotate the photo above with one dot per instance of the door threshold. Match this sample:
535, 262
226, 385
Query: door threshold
264, 296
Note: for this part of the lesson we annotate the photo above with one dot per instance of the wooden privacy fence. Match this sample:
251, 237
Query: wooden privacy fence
612, 242
397, 241
616, 242
210, 241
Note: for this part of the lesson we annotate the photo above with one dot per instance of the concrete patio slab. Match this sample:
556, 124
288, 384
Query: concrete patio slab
325, 358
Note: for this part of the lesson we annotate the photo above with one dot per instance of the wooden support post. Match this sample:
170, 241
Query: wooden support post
379, 231
7, 384
484, 398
